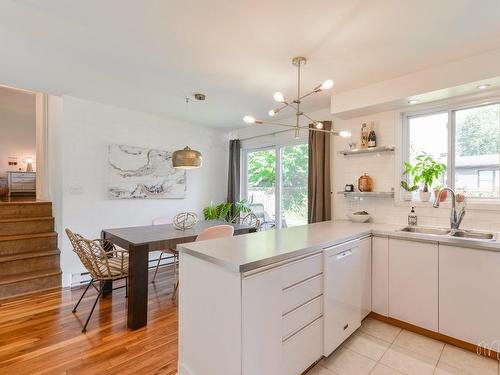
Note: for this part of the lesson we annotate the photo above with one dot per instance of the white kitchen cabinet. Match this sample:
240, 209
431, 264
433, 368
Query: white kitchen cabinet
282, 317
380, 275
347, 274
366, 276
413, 282
469, 298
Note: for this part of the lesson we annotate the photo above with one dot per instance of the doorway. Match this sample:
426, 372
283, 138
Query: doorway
21, 137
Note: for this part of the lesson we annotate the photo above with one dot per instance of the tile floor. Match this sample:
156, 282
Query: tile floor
377, 348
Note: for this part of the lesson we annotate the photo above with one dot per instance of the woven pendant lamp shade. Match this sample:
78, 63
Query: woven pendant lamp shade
187, 159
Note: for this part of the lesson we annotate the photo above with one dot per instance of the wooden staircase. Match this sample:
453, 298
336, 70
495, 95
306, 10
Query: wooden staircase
29, 258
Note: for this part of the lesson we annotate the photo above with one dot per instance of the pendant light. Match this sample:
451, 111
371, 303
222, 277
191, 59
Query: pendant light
187, 159
295, 104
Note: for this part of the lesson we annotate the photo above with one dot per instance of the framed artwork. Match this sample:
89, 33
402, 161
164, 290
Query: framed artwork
137, 172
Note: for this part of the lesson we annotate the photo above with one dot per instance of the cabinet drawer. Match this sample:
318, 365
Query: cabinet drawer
300, 270
16, 179
302, 316
298, 294
303, 349
22, 174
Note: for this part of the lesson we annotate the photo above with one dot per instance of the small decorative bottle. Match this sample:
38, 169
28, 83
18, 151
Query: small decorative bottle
412, 217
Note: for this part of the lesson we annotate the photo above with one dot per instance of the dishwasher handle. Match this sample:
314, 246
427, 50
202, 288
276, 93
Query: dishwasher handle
335, 257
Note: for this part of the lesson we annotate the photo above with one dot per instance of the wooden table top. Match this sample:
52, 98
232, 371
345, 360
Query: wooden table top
159, 236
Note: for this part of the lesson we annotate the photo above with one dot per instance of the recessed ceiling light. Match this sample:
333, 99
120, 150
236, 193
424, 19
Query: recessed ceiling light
413, 101
483, 86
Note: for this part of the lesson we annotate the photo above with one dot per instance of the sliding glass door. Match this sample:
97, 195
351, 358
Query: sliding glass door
275, 184
261, 185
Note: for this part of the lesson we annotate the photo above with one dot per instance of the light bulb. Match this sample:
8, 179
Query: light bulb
345, 133
483, 86
327, 85
249, 119
319, 125
279, 97
297, 133
413, 101
272, 112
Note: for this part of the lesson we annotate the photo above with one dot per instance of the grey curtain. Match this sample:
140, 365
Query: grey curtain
319, 188
233, 179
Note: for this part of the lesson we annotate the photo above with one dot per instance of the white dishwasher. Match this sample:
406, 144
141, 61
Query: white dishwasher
347, 290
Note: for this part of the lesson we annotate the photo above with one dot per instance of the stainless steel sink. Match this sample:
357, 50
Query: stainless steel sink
427, 230
474, 235
463, 234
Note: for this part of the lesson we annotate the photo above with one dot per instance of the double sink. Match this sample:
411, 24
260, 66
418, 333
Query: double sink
463, 234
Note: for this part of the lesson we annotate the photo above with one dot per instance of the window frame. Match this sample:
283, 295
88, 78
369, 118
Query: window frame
278, 149
451, 110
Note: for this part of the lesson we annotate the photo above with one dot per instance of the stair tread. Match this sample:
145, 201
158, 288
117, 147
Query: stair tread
24, 203
27, 236
28, 255
21, 219
10, 279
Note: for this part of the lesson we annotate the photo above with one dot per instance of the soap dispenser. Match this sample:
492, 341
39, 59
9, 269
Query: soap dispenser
412, 217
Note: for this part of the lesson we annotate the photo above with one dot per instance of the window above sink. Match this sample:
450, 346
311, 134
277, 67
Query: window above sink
466, 138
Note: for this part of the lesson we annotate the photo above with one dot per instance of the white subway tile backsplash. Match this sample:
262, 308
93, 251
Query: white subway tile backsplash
382, 168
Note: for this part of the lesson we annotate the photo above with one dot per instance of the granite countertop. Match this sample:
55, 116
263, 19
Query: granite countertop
250, 251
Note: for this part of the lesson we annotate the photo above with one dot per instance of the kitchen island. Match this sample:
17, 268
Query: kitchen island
275, 302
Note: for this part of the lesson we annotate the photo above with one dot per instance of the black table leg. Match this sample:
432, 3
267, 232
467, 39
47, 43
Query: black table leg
137, 315
106, 286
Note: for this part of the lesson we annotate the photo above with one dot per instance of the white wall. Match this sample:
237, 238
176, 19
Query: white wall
87, 129
17, 127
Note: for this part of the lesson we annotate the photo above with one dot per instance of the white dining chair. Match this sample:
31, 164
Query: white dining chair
217, 231
175, 254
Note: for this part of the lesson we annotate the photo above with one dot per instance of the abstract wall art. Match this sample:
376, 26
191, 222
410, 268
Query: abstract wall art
137, 172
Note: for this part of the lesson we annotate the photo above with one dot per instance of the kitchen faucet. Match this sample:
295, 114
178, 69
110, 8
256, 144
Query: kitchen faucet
455, 217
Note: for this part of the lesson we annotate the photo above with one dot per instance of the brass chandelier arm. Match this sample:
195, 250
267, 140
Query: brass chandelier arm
303, 114
308, 94
304, 127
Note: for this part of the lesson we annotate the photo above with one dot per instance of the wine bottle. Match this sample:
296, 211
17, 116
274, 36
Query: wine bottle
372, 137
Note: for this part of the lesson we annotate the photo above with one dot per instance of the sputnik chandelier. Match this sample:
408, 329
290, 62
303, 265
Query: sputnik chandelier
295, 105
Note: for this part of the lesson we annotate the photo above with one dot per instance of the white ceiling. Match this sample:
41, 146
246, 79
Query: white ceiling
149, 54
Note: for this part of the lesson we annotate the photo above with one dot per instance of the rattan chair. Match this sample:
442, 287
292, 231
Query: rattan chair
249, 219
104, 263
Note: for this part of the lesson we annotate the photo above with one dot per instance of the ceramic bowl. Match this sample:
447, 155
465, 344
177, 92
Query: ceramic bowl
358, 218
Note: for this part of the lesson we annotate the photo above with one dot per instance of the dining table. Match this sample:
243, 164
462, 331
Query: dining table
141, 240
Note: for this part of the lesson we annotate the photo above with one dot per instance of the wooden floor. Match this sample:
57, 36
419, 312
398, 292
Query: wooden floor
40, 335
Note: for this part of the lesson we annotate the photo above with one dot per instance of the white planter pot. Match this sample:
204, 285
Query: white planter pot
406, 195
425, 196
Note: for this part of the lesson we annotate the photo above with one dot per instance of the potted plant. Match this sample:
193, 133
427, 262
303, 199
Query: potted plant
425, 171
226, 211
408, 190
444, 195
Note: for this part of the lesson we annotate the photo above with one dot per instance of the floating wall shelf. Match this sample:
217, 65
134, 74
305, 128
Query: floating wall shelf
374, 150
374, 194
